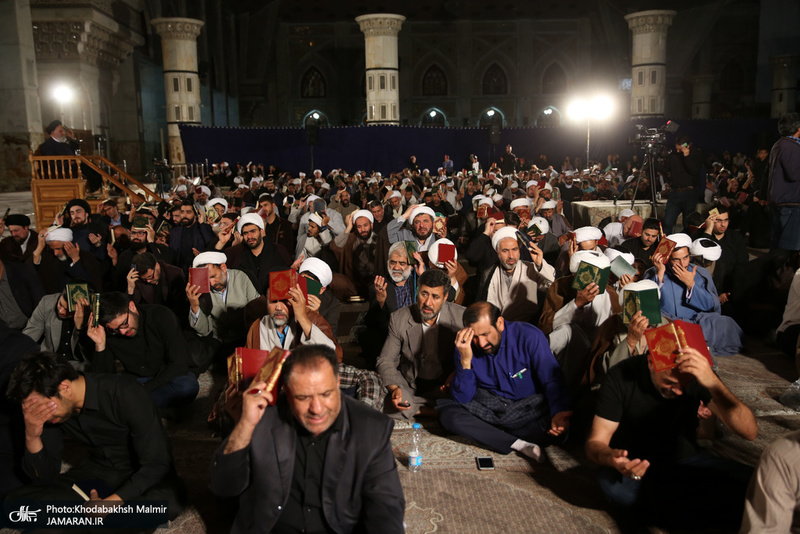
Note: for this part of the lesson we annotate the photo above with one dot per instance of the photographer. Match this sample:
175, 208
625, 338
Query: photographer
685, 166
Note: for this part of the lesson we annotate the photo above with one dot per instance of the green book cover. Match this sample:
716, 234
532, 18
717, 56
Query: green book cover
588, 273
645, 300
535, 230
411, 248
313, 287
76, 291
621, 267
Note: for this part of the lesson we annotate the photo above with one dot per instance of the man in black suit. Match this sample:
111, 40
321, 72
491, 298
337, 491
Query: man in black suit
315, 462
61, 144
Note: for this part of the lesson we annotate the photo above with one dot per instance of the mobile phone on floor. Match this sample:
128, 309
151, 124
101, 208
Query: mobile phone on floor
484, 463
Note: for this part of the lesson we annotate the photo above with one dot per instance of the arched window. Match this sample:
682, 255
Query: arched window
554, 80
434, 83
549, 116
494, 81
731, 78
313, 84
433, 117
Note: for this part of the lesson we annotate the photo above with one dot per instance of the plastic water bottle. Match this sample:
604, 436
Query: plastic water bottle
415, 455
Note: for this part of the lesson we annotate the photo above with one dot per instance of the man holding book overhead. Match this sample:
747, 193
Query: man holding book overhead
308, 460
644, 435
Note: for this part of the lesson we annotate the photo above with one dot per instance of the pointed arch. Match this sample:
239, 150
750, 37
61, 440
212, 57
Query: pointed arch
554, 79
495, 81
434, 82
312, 85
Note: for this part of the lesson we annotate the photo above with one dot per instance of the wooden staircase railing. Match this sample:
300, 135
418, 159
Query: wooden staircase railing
104, 164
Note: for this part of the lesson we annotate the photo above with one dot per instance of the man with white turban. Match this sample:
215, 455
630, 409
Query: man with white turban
688, 293
301, 216
558, 224
513, 285
420, 227
58, 260
356, 252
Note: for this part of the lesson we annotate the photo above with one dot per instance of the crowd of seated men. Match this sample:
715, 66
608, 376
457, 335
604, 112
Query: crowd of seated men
508, 356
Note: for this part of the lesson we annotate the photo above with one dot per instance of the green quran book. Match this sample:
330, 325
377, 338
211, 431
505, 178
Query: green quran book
620, 267
313, 287
588, 273
76, 291
411, 248
535, 230
641, 296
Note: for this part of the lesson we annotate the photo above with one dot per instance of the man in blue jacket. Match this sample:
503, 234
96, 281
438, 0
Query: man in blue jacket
511, 395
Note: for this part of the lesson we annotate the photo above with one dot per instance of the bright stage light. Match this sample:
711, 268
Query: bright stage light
490, 113
599, 107
63, 93
548, 111
432, 114
315, 116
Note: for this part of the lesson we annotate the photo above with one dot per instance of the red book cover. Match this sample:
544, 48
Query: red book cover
281, 281
247, 366
636, 228
665, 248
483, 211
741, 198
603, 242
446, 253
666, 341
497, 216
198, 276
440, 225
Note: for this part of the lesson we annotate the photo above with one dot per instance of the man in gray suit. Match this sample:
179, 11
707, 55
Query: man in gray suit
57, 329
417, 356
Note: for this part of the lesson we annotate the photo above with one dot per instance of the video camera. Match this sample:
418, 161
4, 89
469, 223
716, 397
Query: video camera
652, 140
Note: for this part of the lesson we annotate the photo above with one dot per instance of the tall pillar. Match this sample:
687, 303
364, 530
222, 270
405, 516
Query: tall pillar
784, 83
181, 81
649, 63
20, 115
701, 96
383, 95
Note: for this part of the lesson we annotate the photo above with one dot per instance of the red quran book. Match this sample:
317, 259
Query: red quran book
440, 226
636, 227
666, 341
246, 366
281, 281
198, 276
483, 211
741, 198
603, 242
665, 248
446, 253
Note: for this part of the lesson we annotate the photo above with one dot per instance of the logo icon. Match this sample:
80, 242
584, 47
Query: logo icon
23, 514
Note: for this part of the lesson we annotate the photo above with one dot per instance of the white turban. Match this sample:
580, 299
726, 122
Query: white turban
317, 171
312, 198
301, 174
531, 183
221, 201
520, 202
541, 222
242, 186
627, 212
592, 257
297, 181
433, 251
421, 210
326, 185
681, 240
486, 201
548, 187
503, 233
477, 198
588, 233
708, 249
59, 234
514, 185
238, 180
180, 188
316, 219
209, 258
549, 205
250, 218
205, 190
612, 254
497, 197
363, 213
318, 268
569, 173
396, 194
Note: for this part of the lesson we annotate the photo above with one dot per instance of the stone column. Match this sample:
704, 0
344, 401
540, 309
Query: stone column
20, 115
649, 63
701, 96
181, 82
380, 36
784, 83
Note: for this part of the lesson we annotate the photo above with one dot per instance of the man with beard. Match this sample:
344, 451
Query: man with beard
420, 218
129, 459
558, 224
63, 261
144, 340
154, 281
60, 143
508, 392
88, 236
644, 246
190, 238
569, 194
356, 254
220, 321
277, 230
417, 356
644, 437
142, 240
341, 204
254, 255
394, 207
20, 244
514, 285
56, 329
201, 196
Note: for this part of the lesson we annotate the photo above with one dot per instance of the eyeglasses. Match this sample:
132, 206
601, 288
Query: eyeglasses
118, 330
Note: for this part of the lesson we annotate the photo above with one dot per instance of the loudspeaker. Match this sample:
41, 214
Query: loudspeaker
312, 134
494, 134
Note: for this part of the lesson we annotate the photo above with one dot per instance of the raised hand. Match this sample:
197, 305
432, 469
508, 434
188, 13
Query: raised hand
587, 295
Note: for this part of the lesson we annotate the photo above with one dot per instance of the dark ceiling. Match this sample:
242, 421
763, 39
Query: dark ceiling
299, 11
